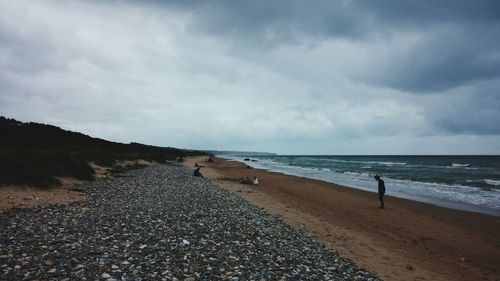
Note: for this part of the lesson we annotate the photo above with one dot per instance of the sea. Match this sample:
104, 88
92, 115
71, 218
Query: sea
470, 183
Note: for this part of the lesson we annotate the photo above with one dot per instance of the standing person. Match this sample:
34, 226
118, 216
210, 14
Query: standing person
381, 190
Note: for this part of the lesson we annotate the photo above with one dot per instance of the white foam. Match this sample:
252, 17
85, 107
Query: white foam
492, 182
458, 165
455, 196
364, 162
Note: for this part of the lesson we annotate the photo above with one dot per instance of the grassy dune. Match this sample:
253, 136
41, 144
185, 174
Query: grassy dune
36, 154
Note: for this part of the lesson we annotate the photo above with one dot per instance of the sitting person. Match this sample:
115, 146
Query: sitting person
255, 181
246, 180
250, 181
196, 165
197, 173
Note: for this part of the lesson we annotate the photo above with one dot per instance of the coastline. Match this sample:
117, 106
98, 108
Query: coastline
425, 192
408, 240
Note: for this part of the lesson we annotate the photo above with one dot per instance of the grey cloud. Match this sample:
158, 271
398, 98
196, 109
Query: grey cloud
25, 53
460, 46
270, 23
277, 76
475, 111
418, 13
445, 59
333, 18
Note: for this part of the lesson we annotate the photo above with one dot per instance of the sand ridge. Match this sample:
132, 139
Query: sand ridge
27, 196
406, 241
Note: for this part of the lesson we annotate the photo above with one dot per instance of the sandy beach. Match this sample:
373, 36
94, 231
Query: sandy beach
28, 196
15, 196
406, 241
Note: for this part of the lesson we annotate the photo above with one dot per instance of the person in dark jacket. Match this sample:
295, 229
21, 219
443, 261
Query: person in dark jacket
381, 190
197, 173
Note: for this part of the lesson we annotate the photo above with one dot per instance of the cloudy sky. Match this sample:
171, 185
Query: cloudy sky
292, 77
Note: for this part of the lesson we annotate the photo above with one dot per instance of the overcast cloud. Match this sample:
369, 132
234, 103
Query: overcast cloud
292, 77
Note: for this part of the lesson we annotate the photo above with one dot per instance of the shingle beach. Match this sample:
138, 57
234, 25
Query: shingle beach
161, 223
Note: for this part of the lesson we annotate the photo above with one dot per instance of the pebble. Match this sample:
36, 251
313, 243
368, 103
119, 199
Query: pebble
161, 223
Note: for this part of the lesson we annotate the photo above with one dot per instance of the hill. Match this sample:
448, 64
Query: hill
36, 154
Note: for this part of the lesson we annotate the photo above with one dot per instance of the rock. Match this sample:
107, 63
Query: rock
160, 223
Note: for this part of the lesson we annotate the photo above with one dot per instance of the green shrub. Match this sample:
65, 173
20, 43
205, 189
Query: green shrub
35, 154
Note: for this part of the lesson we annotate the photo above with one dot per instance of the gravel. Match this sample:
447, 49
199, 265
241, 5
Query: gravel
161, 223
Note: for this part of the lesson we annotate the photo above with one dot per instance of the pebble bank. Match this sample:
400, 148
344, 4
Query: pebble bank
161, 223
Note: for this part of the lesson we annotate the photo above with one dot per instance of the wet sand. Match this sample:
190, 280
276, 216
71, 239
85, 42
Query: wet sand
406, 241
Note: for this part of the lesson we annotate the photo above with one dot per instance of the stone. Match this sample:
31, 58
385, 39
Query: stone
161, 223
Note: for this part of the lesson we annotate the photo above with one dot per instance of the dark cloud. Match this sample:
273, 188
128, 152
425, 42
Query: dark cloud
443, 60
475, 111
460, 38
332, 18
270, 75
418, 13
272, 23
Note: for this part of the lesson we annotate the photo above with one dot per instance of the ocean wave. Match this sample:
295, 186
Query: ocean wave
392, 163
356, 174
458, 165
436, 193
492, 182
387, 163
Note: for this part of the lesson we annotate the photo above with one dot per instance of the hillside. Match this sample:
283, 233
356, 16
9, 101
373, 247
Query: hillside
36, 154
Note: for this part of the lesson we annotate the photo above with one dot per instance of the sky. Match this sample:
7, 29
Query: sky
290, 77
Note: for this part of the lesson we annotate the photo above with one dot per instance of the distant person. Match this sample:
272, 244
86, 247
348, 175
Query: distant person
381, 190
246, 180
255, 181
197, 173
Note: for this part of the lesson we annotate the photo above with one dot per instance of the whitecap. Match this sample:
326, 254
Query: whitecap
458, 165
391, 163
492, 182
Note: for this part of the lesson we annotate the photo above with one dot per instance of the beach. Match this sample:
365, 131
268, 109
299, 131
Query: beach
407, 240
15, 196
161, 223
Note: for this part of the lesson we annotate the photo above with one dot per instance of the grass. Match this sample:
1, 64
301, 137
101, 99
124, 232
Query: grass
36, 154
119, 169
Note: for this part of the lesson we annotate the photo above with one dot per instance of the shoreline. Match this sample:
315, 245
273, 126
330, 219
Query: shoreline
408, 240
418, 197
